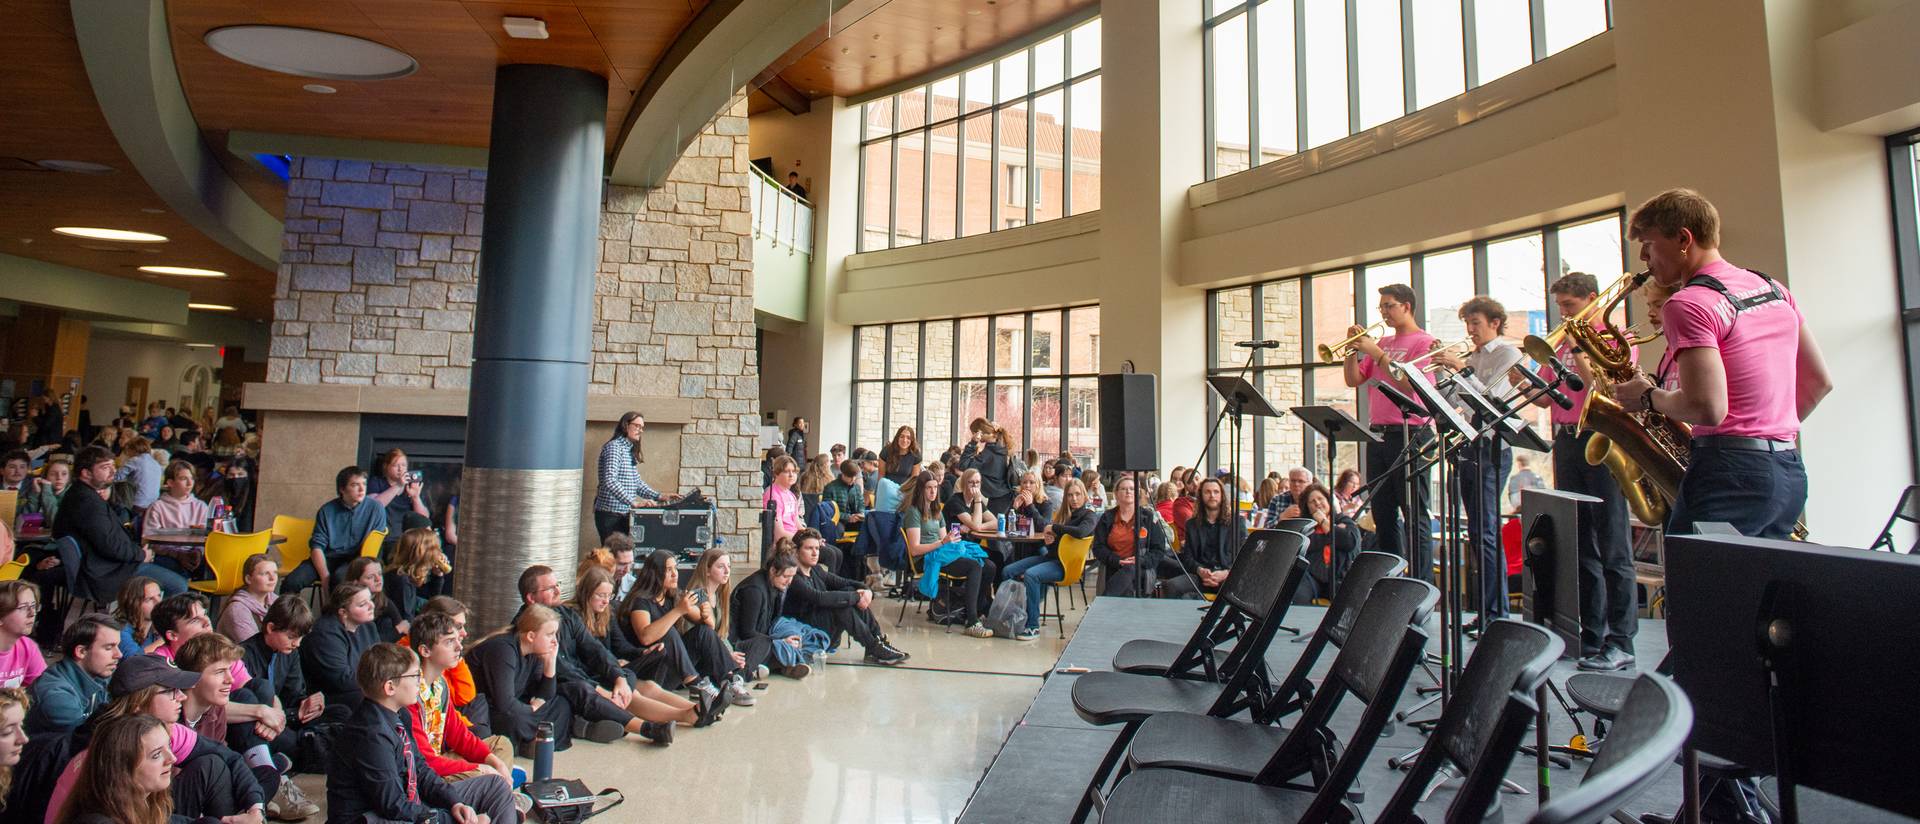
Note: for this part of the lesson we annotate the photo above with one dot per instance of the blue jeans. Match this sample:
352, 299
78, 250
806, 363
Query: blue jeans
1759, 493
171, 582
1483, 476
1038, 573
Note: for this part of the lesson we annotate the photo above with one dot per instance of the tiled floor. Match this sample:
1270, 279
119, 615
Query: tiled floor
853, 743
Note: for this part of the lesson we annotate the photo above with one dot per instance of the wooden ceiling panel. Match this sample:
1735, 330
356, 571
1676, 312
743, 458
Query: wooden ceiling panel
872, 48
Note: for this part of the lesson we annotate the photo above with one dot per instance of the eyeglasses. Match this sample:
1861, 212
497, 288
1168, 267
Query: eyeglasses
406, 676
31, 609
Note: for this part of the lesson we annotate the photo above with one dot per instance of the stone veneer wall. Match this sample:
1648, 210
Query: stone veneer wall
377, 287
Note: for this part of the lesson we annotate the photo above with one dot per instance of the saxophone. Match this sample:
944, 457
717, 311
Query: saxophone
1646, 452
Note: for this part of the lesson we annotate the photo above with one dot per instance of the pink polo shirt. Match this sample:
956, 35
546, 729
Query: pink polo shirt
1381, 411
1579, 399
1759, 351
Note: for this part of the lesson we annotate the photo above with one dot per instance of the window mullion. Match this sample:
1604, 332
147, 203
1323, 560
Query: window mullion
1353, 66
1537, 28
1409, 81
1300, 75
1470, 43
1253, 86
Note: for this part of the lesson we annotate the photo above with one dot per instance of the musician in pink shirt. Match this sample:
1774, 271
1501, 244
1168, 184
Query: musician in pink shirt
1367, 365
1744, 370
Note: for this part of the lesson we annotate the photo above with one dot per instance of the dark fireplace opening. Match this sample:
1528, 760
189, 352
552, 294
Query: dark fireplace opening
435, 446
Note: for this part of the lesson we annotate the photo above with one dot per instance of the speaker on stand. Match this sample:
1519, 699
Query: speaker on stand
1130, 437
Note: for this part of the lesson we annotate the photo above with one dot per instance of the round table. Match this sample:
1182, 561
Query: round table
189, 549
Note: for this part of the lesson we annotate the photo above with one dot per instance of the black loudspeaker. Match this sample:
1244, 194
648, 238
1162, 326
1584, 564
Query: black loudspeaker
1550, 581
1129, 436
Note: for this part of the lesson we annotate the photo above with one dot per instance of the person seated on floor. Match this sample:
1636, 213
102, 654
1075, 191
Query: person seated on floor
835, 605
593, 600
109, 555
129, 776
211, 780
72, 689
1128, 543
417, 558
133, 609
653, 612
378, 772
460, 686
331, 652
621, 546
268, 752
940, 552
177, 510
756, 615
339, 528
259, 589
439, 731
20, 660
607, 700
368, 573
1074, 519
13, 735
75, 686
517, 673
273, 652
1213, 539
712, 587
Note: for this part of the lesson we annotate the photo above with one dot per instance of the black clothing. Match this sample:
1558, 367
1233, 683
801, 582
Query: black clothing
1607, 580
756, 605
796, 446
510, 681
275, 674
108, 554
830, 603
1210, 546
1344, 542
374, 764
701, 644
1039, 513
582, 656
1389, 504
330, 656
992, 461
900, 467
957, 504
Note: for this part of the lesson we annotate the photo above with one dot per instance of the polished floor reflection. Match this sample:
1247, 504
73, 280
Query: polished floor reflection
853, 743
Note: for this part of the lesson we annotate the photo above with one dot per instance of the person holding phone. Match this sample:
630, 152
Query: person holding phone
398, 488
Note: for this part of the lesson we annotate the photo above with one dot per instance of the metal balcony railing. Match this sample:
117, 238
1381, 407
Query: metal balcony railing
780, 215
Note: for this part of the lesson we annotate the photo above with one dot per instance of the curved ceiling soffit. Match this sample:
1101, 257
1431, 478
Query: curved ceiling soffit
130, 66
720, 51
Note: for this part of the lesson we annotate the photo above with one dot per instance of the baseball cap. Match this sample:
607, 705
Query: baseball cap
142, 671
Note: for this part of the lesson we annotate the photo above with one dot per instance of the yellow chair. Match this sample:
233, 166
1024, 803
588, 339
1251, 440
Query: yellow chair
11, 570
225, 556
9, 506
1073, 564
370, 546
297, 531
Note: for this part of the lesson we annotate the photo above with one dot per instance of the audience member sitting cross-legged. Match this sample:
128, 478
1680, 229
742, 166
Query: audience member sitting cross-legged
241, 615
439, 730
655, 611
756, 615
72, 689
378, 772
266, 748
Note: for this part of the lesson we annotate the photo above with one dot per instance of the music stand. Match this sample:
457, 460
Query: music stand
1502, 421
1335, 427
1241, 399
1792, 652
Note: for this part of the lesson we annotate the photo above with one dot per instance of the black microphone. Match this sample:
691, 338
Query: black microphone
1559, 398
1567, 376
1258, 344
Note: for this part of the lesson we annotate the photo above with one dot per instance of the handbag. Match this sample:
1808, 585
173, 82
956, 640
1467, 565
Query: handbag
567, 800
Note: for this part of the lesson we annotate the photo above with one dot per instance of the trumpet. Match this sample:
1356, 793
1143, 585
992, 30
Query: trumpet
1331, 352
1399, 369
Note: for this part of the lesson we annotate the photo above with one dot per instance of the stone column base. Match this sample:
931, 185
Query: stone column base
511, 519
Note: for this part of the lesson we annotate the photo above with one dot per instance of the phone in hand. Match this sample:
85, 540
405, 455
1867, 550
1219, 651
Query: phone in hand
416, 476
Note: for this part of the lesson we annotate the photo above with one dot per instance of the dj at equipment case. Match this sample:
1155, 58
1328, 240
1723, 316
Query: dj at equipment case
686, 532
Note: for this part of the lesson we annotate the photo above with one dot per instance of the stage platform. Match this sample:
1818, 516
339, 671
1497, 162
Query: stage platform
1051, 753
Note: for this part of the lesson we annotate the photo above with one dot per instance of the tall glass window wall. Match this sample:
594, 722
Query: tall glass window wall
1006, 143
1034, 373
1903, 157
1305, 310
1290, 75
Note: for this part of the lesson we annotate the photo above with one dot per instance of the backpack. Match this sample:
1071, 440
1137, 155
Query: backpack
1015, 469
1008, 614
820, 518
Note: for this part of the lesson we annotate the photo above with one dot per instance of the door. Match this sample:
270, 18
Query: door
137, 396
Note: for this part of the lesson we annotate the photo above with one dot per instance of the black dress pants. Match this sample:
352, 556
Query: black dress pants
711, 657
1390, 506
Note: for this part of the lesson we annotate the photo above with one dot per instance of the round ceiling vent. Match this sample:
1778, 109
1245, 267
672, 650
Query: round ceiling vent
311, 53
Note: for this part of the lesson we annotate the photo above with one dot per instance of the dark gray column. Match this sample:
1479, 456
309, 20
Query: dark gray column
520, 489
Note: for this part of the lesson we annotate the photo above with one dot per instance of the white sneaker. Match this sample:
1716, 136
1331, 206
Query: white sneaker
761, 672
979, 630
290, 803
739, 695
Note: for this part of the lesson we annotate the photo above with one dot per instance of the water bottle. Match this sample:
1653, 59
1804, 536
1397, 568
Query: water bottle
543, 751
1003, 524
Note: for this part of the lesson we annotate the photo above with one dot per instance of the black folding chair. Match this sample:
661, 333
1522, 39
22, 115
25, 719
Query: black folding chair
1647, 734
1261, 590
1908, 509
1205, 649
1245, 782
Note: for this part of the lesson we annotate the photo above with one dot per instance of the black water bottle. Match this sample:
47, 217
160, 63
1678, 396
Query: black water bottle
543, 751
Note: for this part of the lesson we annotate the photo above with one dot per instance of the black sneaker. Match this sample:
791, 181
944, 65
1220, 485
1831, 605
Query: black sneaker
895, 650
599, 732
711, 709
885, 656
797, 671
657, 734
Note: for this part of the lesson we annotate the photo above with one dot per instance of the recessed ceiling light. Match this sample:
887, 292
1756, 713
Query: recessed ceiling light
121, 235
311, 53
210, 307
525, 28
319, 88
76, 166
184, 271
